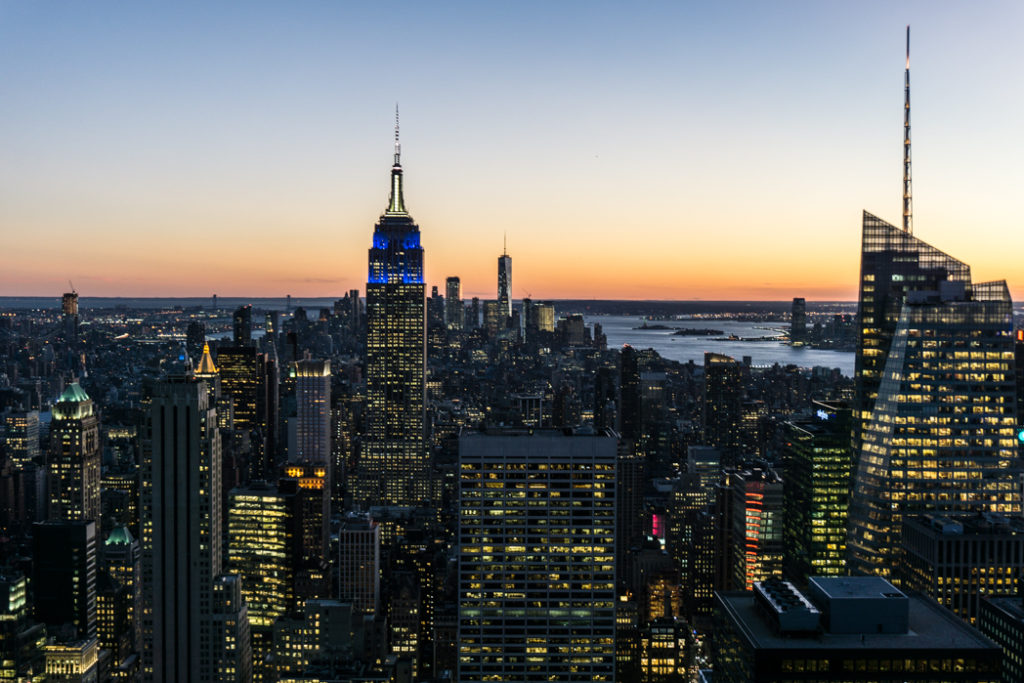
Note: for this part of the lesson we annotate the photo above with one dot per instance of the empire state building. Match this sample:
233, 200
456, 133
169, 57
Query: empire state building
393, 465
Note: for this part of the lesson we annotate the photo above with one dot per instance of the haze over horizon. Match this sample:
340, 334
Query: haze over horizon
665, 152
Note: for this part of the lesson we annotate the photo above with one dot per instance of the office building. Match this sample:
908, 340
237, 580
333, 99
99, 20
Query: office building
359, 563
195, 338
319, 633
242, 323
69, 315
666, 651
261, 548
936, 406
207, 371
22, 436
536, 556
232, 654
753, 549
723, 406
393, 466
308, 486
939, 434
630, 394
22, 639
73, 661
437, 330
492, 319
844, 629
706, 463
798, 321
313, 412
64, 578
957, 559
1002, 621
454, 310
504, 290
74, 458
818, 465
113, 628
122, 559
182, 529
250, 379
544, 314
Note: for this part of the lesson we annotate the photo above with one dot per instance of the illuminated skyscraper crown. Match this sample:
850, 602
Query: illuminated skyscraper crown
396, 256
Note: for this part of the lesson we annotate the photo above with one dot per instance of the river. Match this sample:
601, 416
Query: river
620, 330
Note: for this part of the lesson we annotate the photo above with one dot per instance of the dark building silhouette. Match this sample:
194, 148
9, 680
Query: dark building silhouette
454, 310
723, 406
195, 338
64, 577
242, 321
249, 379
798, 321
605, 398
630, 395
69, 315
182, 530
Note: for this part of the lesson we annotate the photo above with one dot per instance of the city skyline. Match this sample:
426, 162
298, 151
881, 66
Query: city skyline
714, 138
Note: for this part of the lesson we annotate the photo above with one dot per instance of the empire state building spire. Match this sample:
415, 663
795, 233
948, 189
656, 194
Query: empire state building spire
908, 219
396, 206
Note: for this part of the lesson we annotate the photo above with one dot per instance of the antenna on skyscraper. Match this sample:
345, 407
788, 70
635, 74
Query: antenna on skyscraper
504, 246
398, 146
908, 221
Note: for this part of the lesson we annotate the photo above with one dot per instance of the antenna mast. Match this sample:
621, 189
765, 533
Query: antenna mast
398, 146
908, 219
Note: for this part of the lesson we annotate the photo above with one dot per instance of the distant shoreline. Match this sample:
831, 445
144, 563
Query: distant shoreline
639, 307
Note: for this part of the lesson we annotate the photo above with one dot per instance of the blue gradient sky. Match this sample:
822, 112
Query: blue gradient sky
671, 150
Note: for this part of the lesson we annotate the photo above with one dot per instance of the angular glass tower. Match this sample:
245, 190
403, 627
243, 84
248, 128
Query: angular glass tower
393, 464
893, 264
935, 394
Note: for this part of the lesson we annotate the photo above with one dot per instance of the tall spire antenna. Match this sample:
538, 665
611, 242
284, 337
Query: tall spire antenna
396, 205
908, 219
398, 146
504, 247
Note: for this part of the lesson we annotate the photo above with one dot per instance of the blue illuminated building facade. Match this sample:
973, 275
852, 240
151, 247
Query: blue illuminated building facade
393, 461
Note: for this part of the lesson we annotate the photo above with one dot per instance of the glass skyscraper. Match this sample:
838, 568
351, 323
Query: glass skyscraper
936, 394
505, 289
816, 497
893, 264
393, 464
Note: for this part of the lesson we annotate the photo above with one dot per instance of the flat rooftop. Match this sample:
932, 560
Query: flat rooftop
855, 587
931, 627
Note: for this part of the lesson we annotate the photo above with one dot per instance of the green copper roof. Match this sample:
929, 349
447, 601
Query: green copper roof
120, 536
74, 394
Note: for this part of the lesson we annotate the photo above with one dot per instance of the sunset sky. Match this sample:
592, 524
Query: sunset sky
670, 150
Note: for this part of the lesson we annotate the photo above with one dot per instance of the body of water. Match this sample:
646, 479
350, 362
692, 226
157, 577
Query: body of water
620, 330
